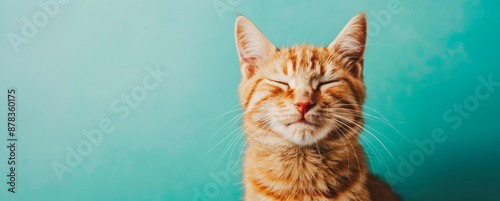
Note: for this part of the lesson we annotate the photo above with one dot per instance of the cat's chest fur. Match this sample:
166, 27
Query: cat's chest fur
304, 173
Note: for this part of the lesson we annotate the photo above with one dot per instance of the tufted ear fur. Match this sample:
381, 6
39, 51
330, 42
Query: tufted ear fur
350, 44
251, 44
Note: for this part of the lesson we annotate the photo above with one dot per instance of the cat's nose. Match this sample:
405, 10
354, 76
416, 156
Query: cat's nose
303, 107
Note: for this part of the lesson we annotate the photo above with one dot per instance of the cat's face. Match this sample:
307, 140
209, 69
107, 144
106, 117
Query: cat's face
302, 93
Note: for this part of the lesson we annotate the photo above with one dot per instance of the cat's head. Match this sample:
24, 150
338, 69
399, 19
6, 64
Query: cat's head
302, 93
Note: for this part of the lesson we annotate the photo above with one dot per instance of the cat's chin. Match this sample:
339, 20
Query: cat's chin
303, 133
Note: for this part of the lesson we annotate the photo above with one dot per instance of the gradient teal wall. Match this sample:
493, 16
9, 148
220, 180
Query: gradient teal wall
422, 63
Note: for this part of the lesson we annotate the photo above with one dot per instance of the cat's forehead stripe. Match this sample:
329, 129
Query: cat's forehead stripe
304, 61
284, 68
304, 58
293, 58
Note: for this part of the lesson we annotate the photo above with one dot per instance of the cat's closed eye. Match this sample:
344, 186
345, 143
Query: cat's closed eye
282, 83
328, 83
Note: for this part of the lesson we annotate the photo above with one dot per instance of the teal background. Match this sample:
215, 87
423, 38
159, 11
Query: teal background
424, 60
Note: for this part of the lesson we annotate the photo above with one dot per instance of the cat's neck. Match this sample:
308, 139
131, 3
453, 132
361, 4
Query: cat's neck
339, 154
330, 168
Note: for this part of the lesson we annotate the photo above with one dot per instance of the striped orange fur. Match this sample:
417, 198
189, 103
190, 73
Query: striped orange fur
303, 115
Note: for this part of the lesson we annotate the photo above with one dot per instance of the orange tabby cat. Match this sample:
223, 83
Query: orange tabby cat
303, 115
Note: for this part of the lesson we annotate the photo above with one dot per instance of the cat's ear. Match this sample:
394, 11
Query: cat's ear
350, 44
251, 44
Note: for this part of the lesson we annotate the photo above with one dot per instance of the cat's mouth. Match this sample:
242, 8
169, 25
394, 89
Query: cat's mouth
302, 122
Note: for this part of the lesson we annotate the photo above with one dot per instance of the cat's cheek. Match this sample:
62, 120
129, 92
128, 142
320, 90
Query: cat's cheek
276, 112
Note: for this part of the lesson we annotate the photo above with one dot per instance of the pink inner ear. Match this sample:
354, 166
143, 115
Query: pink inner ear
249, 68
248, 60
243, 47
